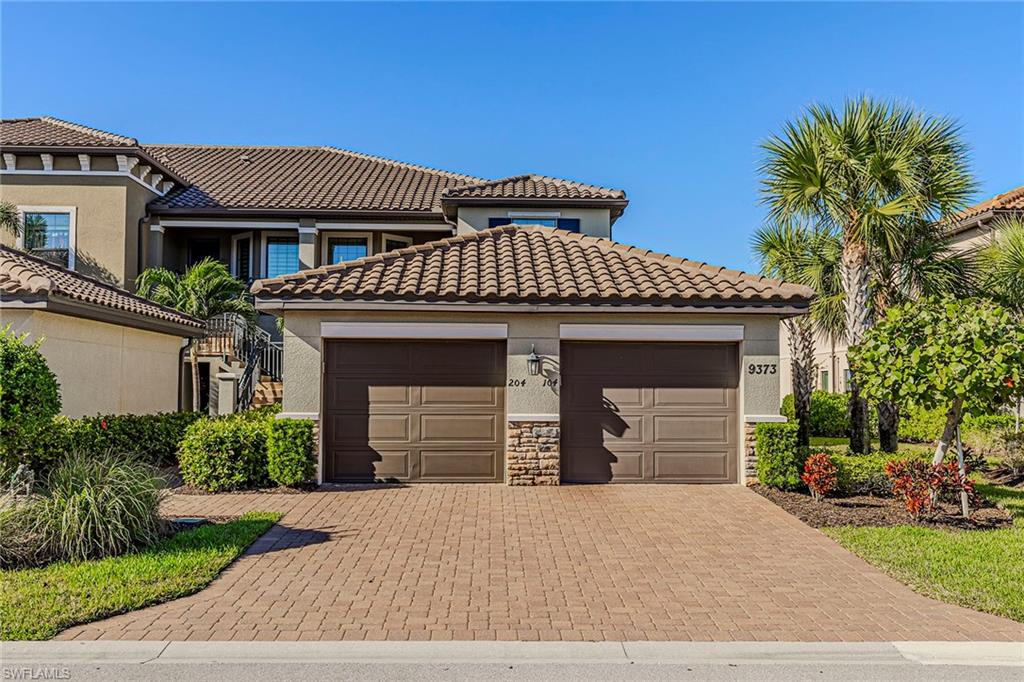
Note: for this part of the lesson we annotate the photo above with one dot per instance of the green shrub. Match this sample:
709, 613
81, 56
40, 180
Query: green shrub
865, 474
227, 453
94, 506
29, 397
829, 416
918, 425
152, 437
779, 461
290, 456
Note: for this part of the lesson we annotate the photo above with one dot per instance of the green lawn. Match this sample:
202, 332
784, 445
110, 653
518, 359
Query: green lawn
982, 570
37, 603
834, 443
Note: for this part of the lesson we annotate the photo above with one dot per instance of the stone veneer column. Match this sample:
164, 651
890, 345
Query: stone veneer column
532, 455
749, 452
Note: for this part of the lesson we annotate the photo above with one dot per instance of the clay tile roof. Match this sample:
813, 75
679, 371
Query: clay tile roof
323, 178
1007, 201
533, 186
531, 264
47, 131
25, 276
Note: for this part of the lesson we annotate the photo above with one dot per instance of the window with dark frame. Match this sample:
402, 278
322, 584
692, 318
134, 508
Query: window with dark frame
567, 224
48, 235
341, 249
243, 248
282, 256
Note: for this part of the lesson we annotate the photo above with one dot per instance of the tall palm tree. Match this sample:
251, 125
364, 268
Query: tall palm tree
867, 171
807, 256
1001, 264
10, 218
205, 290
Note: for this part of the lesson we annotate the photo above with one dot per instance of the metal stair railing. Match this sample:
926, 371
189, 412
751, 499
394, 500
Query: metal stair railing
250, 377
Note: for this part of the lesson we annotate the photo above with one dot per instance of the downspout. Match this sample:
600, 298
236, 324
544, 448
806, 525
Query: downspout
181, 365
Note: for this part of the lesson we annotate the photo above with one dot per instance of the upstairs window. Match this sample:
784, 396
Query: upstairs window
567, 224
341, 249
282, 256
48, 235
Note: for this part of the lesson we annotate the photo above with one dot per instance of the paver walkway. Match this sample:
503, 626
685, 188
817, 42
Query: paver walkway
659, 562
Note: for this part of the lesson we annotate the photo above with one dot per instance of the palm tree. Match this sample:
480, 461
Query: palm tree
866, 172
205, 290
10, 218
1001, 264
803, 255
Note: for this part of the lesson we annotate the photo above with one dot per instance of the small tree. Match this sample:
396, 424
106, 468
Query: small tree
29, 396
964, 356
10, 219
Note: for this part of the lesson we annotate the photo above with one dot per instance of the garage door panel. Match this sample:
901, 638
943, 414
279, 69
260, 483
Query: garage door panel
467, 396
442, 464
414, 410
649, 412
692, 428
705, 466
458, 428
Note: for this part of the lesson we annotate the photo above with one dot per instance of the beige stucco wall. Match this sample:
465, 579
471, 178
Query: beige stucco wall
302, 344
593, 221
104, 368
107, 213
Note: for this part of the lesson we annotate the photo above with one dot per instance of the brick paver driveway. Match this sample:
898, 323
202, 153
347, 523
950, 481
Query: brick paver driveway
496, 562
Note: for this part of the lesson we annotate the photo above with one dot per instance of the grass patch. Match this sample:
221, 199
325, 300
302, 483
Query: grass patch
982, 570
37, 603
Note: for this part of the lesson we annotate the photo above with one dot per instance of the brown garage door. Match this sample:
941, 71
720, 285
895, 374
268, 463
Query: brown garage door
649, 412
414, 411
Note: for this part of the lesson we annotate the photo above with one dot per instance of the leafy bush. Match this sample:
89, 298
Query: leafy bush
779, 459
918, 425
1013, 457
986, 433
227, 453
290, 456
29, 396
151, 437
89, 507
865, 474
829, 417
921, 484
819, 475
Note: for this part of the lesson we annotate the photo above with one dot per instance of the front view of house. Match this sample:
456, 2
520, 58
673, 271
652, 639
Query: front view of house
530, 355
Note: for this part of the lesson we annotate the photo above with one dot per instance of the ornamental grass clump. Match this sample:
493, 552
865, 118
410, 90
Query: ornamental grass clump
94, 506
820, 475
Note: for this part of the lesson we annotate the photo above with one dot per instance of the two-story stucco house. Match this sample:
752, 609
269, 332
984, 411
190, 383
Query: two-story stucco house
436, 326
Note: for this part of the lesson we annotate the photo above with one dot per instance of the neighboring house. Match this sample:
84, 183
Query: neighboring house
112, 352
531, 355
110, 206
972, 230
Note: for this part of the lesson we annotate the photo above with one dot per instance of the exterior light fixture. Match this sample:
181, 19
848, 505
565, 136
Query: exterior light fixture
533, 361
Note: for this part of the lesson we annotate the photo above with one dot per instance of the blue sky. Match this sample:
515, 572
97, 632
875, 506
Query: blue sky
666, 101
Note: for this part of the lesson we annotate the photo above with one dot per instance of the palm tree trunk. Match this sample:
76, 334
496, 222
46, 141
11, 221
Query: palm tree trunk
801, 353
194, 357
856, 284
888, 426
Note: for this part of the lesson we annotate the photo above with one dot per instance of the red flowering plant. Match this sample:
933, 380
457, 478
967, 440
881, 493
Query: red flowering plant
821, 476
921, 484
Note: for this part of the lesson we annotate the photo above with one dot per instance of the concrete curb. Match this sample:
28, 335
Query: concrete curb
124, 652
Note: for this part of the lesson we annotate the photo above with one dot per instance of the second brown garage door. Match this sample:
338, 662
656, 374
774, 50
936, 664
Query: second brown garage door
649, 412
414, 411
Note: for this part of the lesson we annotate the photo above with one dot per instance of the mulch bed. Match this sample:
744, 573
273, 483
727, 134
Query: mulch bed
1005, 476
866, 510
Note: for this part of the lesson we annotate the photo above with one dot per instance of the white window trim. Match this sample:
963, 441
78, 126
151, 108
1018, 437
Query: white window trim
385, 236
325, 237
72, 227
413, 330
651, 332
235, 238
265, 244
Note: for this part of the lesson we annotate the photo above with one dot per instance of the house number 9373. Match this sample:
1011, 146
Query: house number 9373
756, 368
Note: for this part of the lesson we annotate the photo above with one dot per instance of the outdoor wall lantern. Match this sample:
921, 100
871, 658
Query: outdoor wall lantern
533, 361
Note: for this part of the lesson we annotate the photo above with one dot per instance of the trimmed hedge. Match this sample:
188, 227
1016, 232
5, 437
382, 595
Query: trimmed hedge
865, 474
779, 460
829, 416
983, 433
227, 453
290, 456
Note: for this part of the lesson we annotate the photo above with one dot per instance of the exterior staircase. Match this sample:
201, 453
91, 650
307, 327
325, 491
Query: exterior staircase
268, 392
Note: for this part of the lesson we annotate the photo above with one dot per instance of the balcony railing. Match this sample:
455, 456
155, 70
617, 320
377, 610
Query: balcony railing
233, 337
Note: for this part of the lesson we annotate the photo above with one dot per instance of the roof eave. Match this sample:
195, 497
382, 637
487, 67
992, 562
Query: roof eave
426, 215
97, 149
64, 305
616, 206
